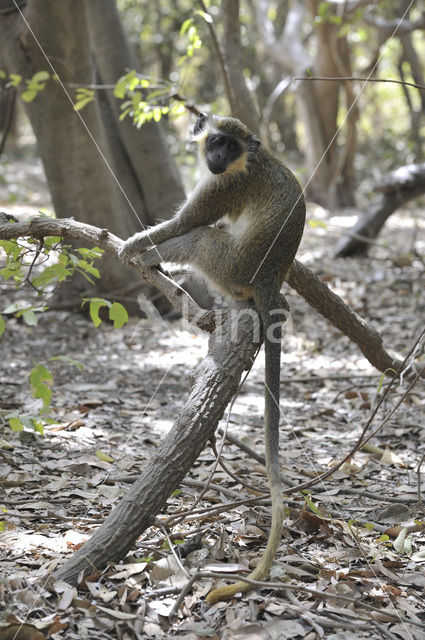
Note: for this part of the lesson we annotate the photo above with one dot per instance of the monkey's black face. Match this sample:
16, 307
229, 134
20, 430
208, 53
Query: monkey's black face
221, 150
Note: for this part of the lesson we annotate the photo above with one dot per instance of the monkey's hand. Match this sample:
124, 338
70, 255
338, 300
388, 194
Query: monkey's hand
135, 245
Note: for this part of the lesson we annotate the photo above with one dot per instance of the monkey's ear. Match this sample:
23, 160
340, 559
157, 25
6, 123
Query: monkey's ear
200, 124
254, 143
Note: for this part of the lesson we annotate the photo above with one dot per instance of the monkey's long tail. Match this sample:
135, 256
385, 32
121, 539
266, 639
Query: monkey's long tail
267, 301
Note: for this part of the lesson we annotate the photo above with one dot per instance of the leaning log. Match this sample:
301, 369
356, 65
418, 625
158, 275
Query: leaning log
397, 188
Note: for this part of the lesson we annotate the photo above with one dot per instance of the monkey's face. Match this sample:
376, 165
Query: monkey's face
221, 151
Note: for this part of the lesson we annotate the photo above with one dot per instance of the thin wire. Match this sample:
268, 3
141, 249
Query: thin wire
138, 218
332, 140
37, 599
79, 115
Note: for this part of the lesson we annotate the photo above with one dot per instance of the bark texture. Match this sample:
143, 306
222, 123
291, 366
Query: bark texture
334, 309
329, 167
97, 169
216, 380
240, 98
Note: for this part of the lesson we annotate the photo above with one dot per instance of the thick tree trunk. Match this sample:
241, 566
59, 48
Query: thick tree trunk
241, 103
80, 154
329, 179
155, 184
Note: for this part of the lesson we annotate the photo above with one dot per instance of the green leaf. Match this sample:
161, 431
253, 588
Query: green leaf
2, 325
11, 248
314, 224
14, 80
51, 241
89, 268
313, 507
124, 114
118, 314
80, 104
95, 305
12, 271
28, 95
41, 379
94, 312
104, 456
123, 84
157, 114
185, 26
53, 272
382, 378
40, 76
16, 424
206, 16
29, 317
37, 426
177, 110
69, 360
94, 252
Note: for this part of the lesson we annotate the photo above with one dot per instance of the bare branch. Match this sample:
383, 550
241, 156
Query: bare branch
355, 79
40, 227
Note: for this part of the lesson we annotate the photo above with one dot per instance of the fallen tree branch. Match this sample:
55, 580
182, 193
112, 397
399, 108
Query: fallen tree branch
397, 188
215, 381
333, 308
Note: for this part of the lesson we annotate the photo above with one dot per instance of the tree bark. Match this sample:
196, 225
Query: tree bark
329, 180
334, 309
79, 154
216, 381
241, 103
155, 180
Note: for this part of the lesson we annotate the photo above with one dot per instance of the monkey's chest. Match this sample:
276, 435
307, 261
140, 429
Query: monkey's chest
236, 226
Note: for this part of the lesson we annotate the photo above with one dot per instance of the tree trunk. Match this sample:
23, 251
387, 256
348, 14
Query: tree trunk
329, 164
156, 184
241, 103
94, 171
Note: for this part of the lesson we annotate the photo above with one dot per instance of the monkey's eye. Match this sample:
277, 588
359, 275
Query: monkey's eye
215, 141
233, 147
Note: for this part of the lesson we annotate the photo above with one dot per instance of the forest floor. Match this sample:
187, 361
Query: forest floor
352, 559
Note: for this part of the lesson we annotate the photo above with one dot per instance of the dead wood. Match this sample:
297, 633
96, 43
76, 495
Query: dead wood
333, 308
231, 350
397, 188
216, 380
